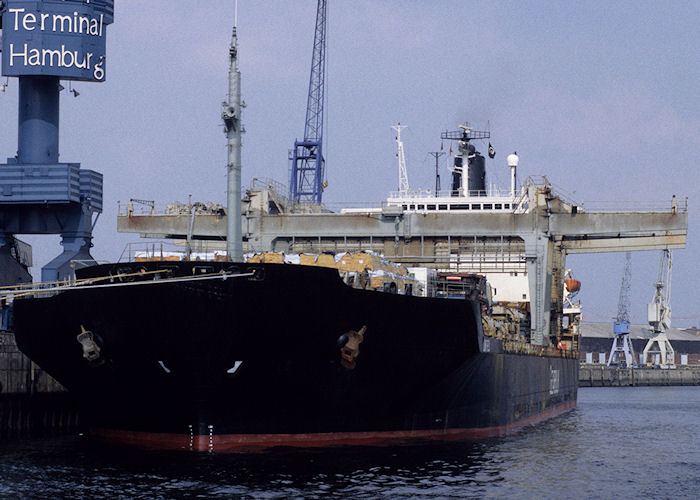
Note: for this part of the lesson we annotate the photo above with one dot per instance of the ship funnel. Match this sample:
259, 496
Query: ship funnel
513, 164
476, 174
469, 172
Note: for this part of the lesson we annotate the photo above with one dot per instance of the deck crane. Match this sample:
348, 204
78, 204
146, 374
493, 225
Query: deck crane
658, 350
621, 326
308, 164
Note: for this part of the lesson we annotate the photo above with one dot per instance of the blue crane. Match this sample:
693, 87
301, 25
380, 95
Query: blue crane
621, 326
307, 177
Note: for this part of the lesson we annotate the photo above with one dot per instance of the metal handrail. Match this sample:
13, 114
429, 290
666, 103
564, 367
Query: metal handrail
643, 206
154, 249
89, 283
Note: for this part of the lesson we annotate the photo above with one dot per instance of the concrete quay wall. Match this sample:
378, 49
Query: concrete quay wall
602, 376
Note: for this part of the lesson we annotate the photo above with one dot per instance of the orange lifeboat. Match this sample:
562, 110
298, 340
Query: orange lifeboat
572, 285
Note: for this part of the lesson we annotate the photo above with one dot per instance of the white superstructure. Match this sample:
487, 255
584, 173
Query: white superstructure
494, 201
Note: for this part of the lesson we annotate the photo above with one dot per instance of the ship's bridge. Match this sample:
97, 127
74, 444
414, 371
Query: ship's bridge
492, 201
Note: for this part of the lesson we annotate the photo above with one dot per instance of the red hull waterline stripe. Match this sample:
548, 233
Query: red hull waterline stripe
238, 443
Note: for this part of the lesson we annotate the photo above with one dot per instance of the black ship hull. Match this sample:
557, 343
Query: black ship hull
256, 360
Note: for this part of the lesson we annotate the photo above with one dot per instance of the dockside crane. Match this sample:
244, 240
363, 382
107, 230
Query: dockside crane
401, 156
658, 350
308, 164
621, 326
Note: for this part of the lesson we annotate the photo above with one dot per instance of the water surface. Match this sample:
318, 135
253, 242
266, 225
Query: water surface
619, 442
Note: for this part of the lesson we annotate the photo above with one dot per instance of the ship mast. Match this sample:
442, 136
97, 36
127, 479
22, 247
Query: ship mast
231, 115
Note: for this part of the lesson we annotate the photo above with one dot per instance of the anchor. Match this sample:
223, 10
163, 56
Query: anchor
350, 348
91, 351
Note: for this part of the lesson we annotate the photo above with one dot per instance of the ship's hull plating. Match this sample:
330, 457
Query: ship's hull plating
253, 362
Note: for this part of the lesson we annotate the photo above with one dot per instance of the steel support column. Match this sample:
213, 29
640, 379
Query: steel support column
538, 256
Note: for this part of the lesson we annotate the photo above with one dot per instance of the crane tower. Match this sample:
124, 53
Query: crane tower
400, 154
621, 326
39, 193
658, 350
308, 164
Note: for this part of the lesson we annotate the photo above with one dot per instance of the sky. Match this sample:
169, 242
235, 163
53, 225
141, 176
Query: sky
601, 97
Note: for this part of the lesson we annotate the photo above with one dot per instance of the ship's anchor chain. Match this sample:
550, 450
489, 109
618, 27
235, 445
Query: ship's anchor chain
349, 344
91, 351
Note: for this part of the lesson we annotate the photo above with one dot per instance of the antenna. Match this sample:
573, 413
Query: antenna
235, 13
437, 155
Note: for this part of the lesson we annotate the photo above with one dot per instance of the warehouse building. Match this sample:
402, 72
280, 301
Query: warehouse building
597, 340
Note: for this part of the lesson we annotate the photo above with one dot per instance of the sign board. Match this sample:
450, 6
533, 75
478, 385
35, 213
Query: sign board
61, 38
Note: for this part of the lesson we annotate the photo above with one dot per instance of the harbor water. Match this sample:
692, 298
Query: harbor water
619, 442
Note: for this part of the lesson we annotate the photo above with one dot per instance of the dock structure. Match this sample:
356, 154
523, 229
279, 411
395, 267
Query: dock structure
603, 376
531, 237
597, 337
31, 401
39, 193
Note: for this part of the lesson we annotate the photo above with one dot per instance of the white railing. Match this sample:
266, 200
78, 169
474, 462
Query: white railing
201, 250
427, 194
150, 207
638, 206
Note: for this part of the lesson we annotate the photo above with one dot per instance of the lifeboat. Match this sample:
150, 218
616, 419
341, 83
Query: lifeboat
572, 285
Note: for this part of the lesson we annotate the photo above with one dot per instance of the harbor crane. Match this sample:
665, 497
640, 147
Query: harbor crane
41, 193
401, 155
621, 326
658, 350
308, 164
